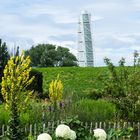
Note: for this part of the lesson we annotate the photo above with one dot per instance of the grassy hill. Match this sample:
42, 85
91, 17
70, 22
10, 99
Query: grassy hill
75, 79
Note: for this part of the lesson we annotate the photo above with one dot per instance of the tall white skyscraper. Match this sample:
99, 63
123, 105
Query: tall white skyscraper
85, 48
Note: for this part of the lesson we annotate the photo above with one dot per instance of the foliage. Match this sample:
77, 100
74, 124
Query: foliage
37, 83
65, 58
30, 137
76, 80
14, 84
17, 51
55, 90
95, 94
55, 94
122, 87
4, 115
15, 81
46, 55
4, 55
75, 124
31, 115
117, 134
95, 111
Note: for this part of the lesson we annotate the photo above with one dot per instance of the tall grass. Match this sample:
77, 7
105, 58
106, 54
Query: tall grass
94, 110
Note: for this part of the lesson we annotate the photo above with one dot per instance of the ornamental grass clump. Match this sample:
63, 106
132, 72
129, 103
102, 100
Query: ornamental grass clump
64, 131
16, 96
100, 134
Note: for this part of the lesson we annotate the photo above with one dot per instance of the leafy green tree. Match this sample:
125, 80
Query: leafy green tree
46, 55
65, 58
122, 87
35, 54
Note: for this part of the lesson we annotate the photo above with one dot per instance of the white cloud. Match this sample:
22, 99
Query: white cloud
125, 39
41, 9
115, 25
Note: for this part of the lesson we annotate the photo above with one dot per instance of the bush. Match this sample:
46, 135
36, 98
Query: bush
95, 94
75, 124
91, 110
121, 85
33, 113
4, 115
36, 85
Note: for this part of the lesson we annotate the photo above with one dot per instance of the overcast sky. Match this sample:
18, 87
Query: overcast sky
115, 25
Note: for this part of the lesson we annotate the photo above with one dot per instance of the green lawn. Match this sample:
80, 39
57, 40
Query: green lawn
75, 79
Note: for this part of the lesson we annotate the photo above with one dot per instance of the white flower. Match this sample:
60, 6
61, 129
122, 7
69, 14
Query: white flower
44, 136
72, 135
100, 134
63, 131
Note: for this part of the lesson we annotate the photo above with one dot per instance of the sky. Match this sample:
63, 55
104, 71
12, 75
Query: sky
115, 25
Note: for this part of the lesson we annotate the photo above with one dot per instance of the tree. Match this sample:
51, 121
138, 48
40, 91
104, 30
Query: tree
17, 51
46, 55
4, 55
122, 87
35, 54
14, 91
65, 58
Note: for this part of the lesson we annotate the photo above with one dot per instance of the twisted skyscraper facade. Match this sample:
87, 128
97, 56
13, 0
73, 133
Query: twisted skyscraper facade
85, 47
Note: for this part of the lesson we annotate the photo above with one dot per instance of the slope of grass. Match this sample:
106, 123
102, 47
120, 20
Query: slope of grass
75, 79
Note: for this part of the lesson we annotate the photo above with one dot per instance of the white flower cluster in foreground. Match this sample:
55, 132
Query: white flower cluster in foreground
44, 136
62, 131
100, 134
65, 132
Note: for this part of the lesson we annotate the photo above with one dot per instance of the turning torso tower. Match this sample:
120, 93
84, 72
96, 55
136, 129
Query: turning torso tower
85, 48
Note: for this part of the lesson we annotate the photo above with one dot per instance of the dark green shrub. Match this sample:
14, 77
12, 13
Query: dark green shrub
36, 85
94, 110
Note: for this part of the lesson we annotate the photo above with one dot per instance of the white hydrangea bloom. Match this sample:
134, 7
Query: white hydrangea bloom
100, 134
44, 136
63, 131
72, 135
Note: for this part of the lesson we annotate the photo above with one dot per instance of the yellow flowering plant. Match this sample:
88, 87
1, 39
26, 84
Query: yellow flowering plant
55, 90
55, 95
15, 81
